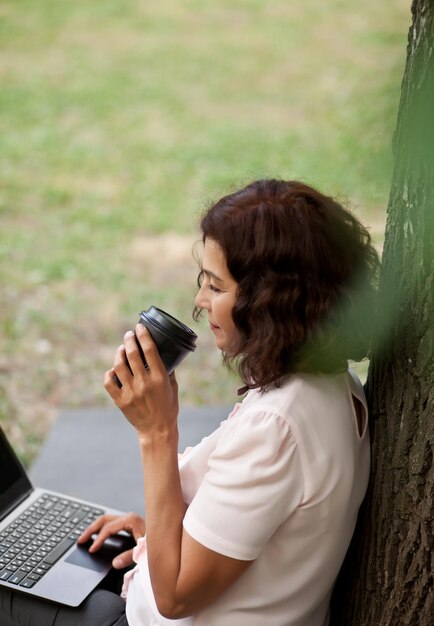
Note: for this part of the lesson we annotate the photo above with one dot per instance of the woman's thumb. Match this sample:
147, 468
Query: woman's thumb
123, 560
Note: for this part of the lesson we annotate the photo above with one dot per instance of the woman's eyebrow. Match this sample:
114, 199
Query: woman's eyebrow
212, 275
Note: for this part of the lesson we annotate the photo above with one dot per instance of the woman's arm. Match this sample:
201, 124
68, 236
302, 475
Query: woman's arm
185, 575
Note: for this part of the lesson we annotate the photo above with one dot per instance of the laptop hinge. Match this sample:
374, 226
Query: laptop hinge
13, 505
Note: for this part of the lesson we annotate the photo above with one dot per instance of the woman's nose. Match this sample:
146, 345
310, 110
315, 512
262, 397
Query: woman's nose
200, 300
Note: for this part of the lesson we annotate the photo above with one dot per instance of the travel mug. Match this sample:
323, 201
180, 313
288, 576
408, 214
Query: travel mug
173, 339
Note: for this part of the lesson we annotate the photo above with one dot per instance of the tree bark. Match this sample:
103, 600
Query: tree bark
387, 578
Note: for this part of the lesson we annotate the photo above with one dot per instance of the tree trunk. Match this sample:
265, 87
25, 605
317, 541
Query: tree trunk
387, 579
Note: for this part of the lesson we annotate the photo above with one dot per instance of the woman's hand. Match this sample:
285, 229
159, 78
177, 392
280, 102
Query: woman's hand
149, 396
107, 525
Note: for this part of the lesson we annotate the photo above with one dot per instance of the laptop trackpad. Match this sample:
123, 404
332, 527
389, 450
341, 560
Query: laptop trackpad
81, 557
102, 559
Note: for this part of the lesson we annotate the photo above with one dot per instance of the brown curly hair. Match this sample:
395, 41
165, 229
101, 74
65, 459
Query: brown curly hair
306, 274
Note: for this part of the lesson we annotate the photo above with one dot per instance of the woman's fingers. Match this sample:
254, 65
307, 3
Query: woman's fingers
133, 354
123, 560
112, 528
137, 356
108, 525
118, 375
147, 396
121, 365
150, 350
95, 527
112, 384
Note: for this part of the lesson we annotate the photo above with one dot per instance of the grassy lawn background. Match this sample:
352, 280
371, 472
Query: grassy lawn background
121, 120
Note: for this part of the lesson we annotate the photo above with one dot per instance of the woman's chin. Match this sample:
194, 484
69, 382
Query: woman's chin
220, 343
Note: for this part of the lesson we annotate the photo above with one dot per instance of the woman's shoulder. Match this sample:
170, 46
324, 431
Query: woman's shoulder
314, 407
297, 391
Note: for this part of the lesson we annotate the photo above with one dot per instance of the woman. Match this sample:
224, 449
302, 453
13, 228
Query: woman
251, 526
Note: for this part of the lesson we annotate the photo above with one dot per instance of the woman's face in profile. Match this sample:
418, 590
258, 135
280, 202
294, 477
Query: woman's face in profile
217, 295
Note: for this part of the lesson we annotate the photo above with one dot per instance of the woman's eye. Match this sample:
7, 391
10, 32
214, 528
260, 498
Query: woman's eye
215, 289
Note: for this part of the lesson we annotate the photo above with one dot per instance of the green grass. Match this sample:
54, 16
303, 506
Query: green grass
121, 120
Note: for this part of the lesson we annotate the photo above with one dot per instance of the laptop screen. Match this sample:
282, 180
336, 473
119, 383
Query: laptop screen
14, 482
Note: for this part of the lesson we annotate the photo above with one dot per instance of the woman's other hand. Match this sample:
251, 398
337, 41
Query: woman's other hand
149, 396
106, 526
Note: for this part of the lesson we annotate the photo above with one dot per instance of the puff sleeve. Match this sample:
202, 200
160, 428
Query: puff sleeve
253, 483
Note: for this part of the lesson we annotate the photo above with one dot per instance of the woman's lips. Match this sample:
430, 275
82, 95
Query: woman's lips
213, 327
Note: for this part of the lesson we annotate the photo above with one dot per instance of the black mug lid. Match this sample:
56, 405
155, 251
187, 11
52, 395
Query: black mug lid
169, 325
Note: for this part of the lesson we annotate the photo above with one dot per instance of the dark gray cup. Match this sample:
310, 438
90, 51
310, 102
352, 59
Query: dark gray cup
174, 339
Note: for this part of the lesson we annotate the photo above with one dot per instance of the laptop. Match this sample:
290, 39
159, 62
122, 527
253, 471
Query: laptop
38, 533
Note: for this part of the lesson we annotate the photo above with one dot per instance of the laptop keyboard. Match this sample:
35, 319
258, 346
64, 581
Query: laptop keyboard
34, 541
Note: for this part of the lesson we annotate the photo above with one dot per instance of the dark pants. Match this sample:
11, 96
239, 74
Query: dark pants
104, 607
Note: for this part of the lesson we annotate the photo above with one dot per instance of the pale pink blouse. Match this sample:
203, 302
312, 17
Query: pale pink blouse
279, 482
